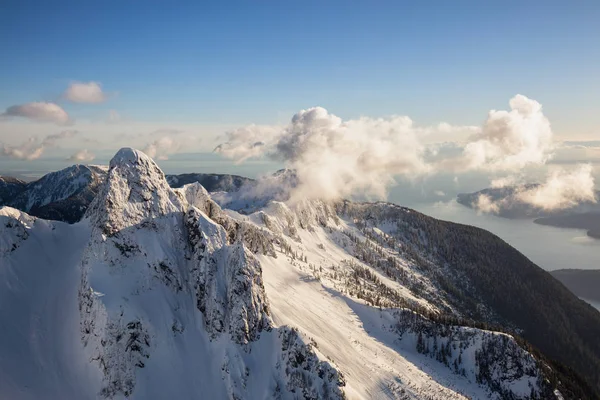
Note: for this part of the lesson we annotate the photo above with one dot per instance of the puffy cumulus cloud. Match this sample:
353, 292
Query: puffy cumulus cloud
82, 156
161, 148
511, 140
562, 190
85, 92
335, 158
39, 111
33, 148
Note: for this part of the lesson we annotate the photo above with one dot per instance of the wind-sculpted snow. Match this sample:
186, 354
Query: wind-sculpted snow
14, 229
228, 282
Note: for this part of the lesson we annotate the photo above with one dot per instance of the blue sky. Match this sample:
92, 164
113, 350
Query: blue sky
177, 76
241, 62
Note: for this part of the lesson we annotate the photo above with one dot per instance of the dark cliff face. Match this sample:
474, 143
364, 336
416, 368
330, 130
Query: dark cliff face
10, 188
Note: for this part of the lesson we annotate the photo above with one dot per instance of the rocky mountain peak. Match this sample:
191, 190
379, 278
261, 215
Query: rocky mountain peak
135, 190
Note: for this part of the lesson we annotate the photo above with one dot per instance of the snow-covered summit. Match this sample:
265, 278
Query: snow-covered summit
129, 157
135, 190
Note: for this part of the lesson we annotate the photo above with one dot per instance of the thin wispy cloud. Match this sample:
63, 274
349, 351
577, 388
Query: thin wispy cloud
33, 148
162, 148
113, 117
82, 156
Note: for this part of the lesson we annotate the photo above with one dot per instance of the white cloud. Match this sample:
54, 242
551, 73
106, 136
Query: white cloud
82, 156
161, 148
485, 204
33, 148
39, 111
249, 142
505, 181
335, 158
85, 92
562, 189
511, 140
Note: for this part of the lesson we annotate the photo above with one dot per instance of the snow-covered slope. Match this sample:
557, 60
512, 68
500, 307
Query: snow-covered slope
159, 293
211, 182
147, 297
63, 195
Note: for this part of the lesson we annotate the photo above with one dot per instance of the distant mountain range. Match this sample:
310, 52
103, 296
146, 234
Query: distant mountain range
160, 292
66, 194
507, 205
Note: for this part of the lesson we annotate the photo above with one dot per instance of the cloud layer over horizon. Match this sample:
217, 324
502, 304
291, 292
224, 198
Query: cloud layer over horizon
335, 158
33, 148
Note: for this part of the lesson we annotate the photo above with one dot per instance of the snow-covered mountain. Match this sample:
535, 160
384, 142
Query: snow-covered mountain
9, 188
161, 293
63, 195
211, 182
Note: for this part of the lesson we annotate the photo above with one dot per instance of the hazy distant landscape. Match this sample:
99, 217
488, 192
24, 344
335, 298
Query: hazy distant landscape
589, 221
506, 202
584, 283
